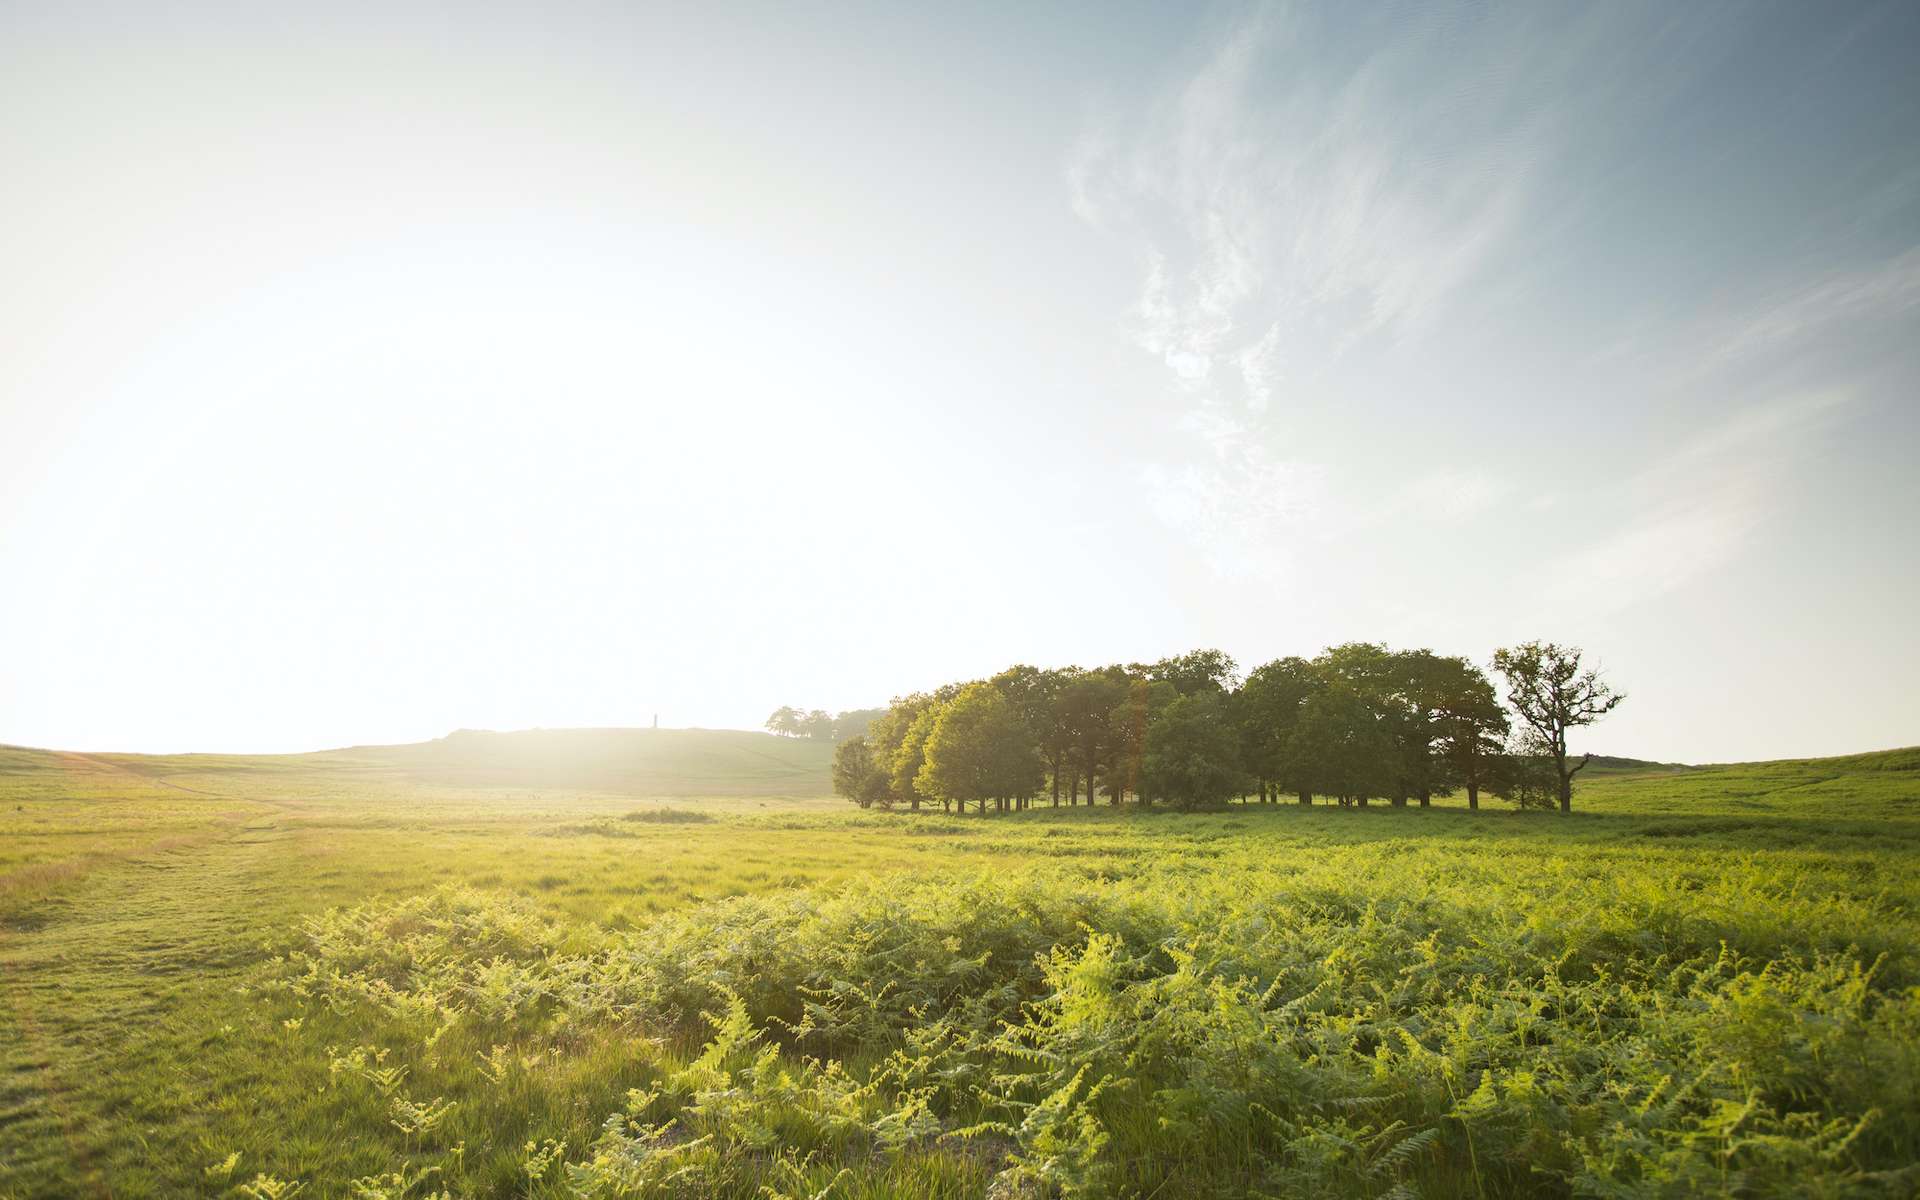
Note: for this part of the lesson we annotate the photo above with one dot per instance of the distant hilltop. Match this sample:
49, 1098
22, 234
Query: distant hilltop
661, 762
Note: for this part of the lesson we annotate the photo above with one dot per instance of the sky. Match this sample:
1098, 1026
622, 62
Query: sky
369, 371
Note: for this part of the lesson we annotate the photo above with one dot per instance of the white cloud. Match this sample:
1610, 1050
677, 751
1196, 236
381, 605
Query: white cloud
1286, 212
1692, 511
1885, 291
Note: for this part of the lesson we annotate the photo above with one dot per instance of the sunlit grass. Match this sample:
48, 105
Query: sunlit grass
1699, 921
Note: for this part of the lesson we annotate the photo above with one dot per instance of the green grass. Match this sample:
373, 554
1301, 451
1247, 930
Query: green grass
1703, 982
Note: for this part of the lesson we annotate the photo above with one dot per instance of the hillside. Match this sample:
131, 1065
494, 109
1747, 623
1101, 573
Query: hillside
639, 762
649, 762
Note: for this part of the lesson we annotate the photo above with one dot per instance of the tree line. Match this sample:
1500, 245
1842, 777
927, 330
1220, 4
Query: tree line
1358, 723
819, 724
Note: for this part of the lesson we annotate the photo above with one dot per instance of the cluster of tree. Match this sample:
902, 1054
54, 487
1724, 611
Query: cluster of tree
1358, 723
821, 725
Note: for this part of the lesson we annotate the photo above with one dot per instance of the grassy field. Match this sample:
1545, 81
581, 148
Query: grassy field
661, 963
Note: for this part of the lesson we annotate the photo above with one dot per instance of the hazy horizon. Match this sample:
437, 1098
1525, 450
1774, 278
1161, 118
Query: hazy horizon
375, 371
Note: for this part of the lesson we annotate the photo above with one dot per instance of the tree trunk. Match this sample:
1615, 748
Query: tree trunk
1473, 795
1306, 798
1426, 797
1056, 781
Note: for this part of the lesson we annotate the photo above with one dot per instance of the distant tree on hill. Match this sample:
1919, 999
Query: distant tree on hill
855, 722
787, 721
1190, 756
818, 725
1552, 693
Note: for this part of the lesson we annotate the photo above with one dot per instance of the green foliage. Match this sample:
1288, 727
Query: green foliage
1339, 747
1268, 710
1705, 983
1552, 693
1350, 1029
979, 750
909, 758
1191, 758
857, 776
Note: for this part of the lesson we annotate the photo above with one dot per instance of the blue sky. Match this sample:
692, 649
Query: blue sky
386, 369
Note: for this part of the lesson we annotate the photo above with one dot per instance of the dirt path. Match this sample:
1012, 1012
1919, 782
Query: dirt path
93, 762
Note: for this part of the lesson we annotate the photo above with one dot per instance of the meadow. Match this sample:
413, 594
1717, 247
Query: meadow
665, 964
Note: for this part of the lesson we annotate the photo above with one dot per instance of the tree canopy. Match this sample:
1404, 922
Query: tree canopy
1359, 722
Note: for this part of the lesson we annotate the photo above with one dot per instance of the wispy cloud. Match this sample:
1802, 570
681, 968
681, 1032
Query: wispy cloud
1857, 298
1692, 511
1771, 373
1295, 199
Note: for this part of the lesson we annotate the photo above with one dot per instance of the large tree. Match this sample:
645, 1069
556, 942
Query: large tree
909, 758
888, 733
1341, 749
1473, 727
979, 750
1035, 695
1268, 708
787, 721
1195, 671
1128, 725
1190, 756
1552, 693
1087, 704
1393, 686
857, 776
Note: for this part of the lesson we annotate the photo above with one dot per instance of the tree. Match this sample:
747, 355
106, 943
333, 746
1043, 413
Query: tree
1195, 671
1473, 727
1127, 727
1035, 696
1087, 703
857, 776
1340, 748
1552, 694
910, 757
786, 721
855, 722
1190, 754
978, 750
818, 725
1400, 690
1523, 774
1268, 706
